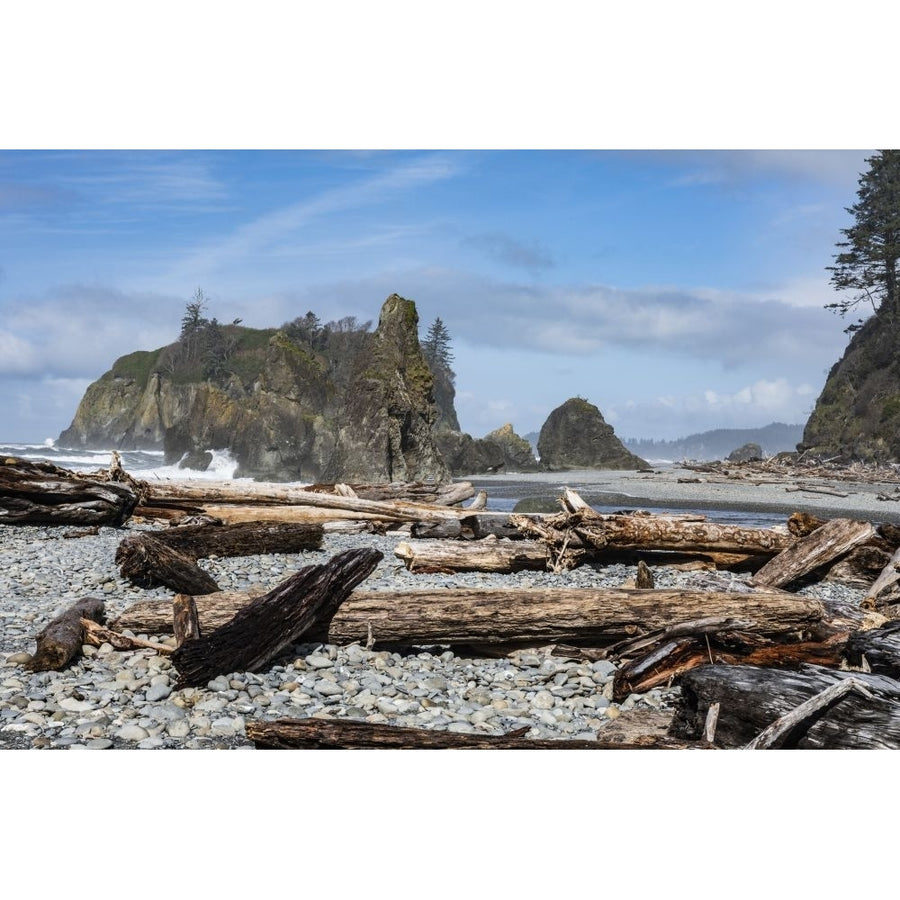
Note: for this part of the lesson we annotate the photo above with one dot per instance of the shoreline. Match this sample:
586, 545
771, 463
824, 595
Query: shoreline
680, 488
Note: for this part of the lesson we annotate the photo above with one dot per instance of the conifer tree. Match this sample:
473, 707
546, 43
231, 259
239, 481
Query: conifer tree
867, 263
436, 347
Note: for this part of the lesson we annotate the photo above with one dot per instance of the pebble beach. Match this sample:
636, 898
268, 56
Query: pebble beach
110, 699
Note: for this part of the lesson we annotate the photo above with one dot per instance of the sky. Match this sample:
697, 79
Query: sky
677, 290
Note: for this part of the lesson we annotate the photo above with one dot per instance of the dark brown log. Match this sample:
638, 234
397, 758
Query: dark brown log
644, 577
824, 545
752, 698
301, 605
335, 734
663, 664
860, 567
148, 562
800, 524
61, 639
185, 620
876, 650
536, 617
245, 539
38, 493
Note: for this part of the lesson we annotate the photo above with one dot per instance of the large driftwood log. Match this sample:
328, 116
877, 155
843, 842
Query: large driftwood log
334, 734
283, 502
148, 562
594, 617
824, 545
647, 532
61, 639
752, 698
38, 493
267, 625
248, 539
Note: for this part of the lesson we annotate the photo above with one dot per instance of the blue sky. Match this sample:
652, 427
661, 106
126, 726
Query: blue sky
678, 290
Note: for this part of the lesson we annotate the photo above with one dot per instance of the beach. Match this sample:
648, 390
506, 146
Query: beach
112, 699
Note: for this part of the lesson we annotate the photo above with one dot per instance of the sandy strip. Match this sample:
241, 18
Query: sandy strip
677, 488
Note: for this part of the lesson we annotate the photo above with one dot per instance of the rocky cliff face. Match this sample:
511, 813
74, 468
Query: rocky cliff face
356, 407
857, 415
575, 436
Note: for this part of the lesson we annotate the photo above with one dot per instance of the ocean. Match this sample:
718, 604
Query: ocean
503, 495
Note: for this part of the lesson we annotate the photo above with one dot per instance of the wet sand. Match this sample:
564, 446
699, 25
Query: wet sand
674, 488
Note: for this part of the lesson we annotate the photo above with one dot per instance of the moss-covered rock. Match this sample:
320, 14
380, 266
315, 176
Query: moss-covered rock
517, 453
857, 415
285, 411
576, 436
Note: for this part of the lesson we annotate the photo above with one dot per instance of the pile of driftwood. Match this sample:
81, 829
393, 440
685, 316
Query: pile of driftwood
758, 664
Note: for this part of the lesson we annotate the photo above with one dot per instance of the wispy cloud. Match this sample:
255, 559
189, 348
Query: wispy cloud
276, 228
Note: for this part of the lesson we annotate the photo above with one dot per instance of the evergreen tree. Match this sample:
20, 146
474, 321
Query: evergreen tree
867, 263
436, 347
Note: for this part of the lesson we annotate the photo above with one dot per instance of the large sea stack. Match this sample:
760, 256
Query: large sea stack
303, 402
576, 436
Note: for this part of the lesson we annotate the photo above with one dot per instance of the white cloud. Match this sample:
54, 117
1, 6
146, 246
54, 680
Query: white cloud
17, 356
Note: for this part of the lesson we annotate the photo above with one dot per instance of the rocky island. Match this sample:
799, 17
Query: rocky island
307, 402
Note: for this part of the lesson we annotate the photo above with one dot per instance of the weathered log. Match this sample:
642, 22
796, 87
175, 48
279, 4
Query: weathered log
860, 567
648, 532
257, 633
878, 650
797, 717
148, 562
185, 619
61, 638
827, 543
247, 539
335, 734
752, 698
38, 493
415, 491
472, 556
218, 496
644, 577
96, 635
888, 577
523, 617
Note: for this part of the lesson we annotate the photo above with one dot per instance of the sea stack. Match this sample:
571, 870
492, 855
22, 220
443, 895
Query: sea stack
576, 436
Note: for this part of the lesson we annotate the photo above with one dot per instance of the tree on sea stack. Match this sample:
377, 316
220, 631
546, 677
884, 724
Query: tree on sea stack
867, 263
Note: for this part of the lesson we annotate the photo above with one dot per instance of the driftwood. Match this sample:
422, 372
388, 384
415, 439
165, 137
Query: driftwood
96, 635
61, 639
752, 698
335, 734
148, 562
285, 504
796, 718
250, 539
886, 579
527, 617
876, 650
472, 556
302, 604
38, 493
603, 532
827, 543
185, 619
169, 557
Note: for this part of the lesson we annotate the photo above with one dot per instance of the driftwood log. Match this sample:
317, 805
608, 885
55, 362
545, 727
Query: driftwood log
752, 698
302, 604
524, 617
169, 557
821, 547
333, 734
472, 556
586, 528
876, 650
148, 562
38, 493
62, 638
